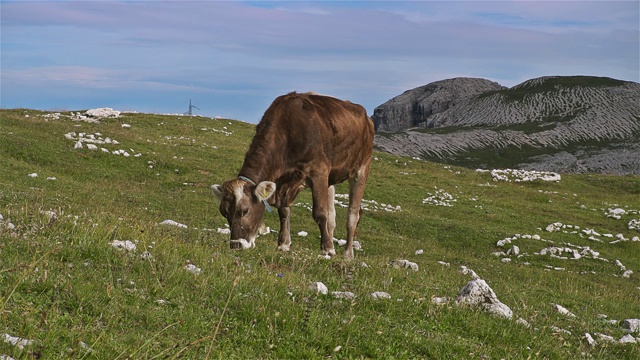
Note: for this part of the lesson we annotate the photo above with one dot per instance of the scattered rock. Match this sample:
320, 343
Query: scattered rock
439, 300
631, 325
192, 269
380, 295
343, 295
173, 223
319, 288
627, 339
123, 245
17, 341
562, 310
590, 339
477, 293
466, 271
404, 264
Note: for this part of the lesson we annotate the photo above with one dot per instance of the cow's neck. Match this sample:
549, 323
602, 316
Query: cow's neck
260, 163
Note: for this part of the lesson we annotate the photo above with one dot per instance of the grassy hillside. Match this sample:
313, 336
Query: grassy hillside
74, 295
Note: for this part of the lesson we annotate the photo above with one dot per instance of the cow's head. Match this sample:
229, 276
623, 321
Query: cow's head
242, 202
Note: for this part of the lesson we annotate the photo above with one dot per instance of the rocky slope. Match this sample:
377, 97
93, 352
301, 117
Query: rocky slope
563, 124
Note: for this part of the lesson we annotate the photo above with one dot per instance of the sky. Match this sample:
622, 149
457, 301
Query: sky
233, 58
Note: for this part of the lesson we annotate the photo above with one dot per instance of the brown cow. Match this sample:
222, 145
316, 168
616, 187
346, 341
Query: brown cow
303, 140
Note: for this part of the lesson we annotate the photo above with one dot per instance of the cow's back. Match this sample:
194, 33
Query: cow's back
301, 132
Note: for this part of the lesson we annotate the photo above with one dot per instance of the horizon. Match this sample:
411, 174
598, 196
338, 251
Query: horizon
233, 58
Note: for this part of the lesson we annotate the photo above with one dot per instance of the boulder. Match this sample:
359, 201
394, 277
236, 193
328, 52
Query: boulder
477, 293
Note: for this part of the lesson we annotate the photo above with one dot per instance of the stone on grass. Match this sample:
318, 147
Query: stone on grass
123, 245
404, 264
466, 271
343, 295
631, 325
380, 295
173, 223
627, 339
439, 300
319, 288
477, 293
192, 269
590, 339
17, 341
562, 310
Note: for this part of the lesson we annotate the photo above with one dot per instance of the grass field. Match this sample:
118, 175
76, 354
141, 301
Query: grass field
67, 292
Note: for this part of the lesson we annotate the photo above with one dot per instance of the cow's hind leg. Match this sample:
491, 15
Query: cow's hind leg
321, 212
356, 192
331, 218
284, 238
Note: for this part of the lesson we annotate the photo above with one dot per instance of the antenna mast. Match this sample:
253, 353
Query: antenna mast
191, 107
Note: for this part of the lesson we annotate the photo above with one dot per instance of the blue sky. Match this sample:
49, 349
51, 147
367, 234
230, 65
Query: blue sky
232, 58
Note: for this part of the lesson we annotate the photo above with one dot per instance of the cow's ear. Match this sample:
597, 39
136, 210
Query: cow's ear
265, 189
217, 191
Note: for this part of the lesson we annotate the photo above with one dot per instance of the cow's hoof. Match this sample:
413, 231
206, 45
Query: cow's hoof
283, 247
330, 252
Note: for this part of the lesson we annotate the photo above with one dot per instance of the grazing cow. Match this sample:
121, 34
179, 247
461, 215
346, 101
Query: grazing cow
303, 140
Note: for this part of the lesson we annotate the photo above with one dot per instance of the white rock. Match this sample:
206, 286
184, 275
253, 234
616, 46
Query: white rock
466, 271
123, 245
92, 147
604, 337
17, 341
78, 145
102, 113
126, 126
590, 340
193, 269
404, 263
477, 293
627, 339
173, 223
439, 300
560, 330
617, 211
523, 322
303, 233
562, 310
319, 288
627, 274
506, 260
419, 251
33, 175
343, 295
380, 295
514, 251
631, 325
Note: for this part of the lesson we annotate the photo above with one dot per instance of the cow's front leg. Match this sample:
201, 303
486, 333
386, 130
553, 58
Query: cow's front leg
323, 216
284, 238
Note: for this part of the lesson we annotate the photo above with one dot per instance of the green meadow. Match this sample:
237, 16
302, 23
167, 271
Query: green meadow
66, 292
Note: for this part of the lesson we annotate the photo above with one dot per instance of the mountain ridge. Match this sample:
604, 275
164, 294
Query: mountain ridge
552, 123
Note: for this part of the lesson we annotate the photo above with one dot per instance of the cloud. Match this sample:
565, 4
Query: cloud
367, 51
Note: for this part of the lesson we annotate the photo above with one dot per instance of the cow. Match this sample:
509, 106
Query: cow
303, 140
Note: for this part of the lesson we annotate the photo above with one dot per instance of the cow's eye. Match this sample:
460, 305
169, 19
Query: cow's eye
243, 212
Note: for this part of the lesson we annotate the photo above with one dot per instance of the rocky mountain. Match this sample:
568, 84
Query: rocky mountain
557, 123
